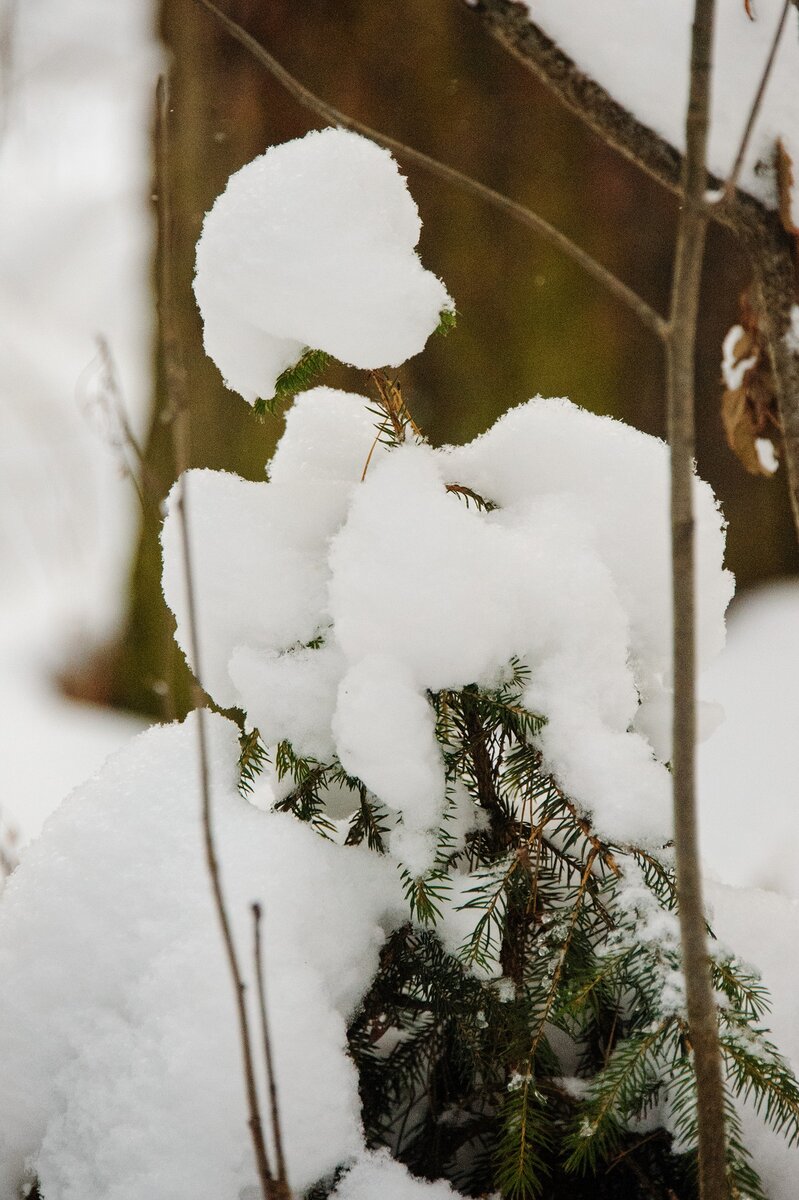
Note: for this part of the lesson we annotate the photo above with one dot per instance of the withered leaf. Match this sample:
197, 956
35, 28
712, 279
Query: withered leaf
750, 12
749, 411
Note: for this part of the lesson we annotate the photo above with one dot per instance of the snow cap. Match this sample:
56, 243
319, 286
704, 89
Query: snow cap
312, 245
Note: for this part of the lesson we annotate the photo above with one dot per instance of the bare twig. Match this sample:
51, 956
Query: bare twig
175, 376
511, 208
100, 392
732, 182
767, 245
680, 384
282, 1189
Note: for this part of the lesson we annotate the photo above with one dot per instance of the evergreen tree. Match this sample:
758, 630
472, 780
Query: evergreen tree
550, 1056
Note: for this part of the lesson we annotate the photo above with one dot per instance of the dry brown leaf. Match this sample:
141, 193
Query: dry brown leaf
750, 12
749, 412
739, 431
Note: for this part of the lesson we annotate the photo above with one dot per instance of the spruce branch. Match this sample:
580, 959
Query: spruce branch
648, 317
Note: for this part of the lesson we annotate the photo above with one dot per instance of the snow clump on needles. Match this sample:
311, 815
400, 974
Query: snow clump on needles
332, 602
312, 246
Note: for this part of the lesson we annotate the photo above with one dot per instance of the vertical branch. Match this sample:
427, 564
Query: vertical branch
175, 376
282, 1190
680, 350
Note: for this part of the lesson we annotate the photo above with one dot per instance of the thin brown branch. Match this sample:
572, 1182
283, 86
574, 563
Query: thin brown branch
281, 1190
175, 377
766, 244
680, 385
648, 317
732, 183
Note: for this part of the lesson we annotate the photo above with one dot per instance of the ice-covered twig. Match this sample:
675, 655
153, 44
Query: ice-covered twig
647, 315
179, 412
680, 388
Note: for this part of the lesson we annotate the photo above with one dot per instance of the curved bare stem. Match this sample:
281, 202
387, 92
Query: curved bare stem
680, 384
647, 315
282, 1186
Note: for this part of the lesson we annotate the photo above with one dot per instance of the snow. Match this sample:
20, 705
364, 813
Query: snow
379, 1175
763, 929
75, 243
384, 731
733, 369
78, 737
766, 455
406, 590
312, 245
748, 771
121, 1067
639, 52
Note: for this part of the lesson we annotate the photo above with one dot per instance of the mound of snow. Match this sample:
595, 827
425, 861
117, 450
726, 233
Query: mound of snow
312, 245
331, 601
121, 1064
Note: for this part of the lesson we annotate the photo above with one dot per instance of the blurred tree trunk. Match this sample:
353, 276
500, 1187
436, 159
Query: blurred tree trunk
218, 121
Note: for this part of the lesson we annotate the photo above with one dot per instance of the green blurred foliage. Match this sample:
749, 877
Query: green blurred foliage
529, 321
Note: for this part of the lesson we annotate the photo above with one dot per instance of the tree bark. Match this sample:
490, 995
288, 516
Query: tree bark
767, 245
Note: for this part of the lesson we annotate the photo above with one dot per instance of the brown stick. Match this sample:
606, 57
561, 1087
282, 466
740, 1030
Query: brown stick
281, 1190
680, 384
175, 376
648, 317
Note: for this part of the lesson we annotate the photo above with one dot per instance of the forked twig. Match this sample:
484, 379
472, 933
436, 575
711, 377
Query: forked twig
647, 315
175, 376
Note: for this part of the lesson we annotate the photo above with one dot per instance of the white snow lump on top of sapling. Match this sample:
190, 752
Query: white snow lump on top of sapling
312, 246
405, 590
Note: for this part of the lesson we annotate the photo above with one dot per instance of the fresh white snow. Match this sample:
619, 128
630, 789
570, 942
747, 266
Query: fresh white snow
75, 243
121, 1067
639, 51
410, 590
312, 245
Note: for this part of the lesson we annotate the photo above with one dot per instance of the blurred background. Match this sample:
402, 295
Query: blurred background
86, 652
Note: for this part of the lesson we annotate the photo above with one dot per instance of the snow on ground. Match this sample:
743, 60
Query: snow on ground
763, 929
749, 769
75, 242
122, 1071
639, 51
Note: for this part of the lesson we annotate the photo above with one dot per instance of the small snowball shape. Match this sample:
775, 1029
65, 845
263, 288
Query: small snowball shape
312, 245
